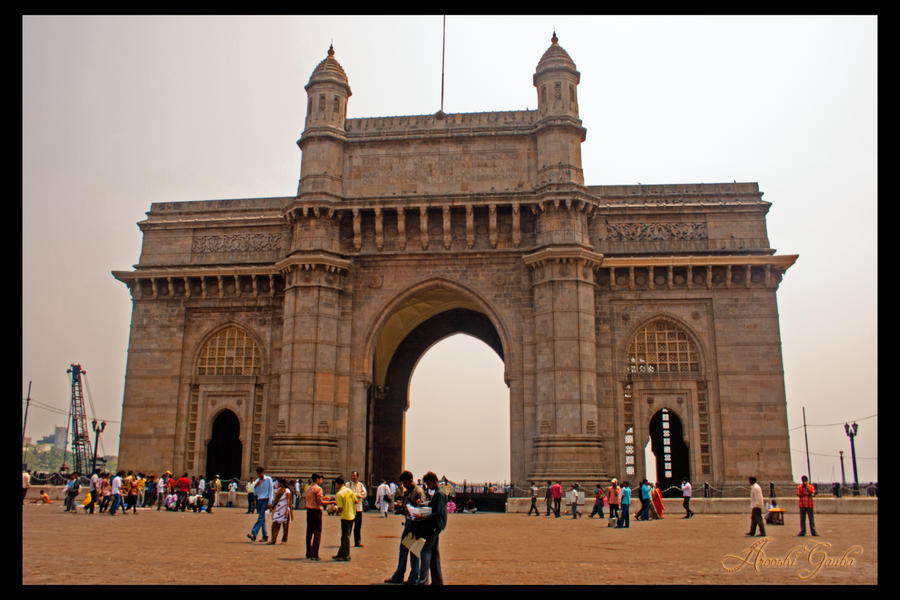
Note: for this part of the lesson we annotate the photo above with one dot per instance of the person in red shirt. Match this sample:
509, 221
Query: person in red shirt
806, 491
183, 490
556, 492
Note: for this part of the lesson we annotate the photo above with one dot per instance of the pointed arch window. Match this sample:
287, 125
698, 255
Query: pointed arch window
662, 347
230, 352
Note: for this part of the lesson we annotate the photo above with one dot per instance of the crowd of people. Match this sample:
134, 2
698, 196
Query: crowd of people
424, 507
616, 499
126, 491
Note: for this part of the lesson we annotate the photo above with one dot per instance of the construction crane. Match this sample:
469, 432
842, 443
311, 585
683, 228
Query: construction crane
81, 440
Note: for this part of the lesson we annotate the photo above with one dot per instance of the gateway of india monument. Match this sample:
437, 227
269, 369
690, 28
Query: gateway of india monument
284, 331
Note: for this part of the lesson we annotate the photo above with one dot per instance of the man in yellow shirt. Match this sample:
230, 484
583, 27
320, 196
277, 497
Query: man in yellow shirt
346, 503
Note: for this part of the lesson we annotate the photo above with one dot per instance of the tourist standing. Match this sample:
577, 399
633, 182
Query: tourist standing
756, 506
141, 483
232, 493
534, 497
657, 498
251, 498
115, 490
548, 497
686, 492
161, 489
615, 499
105, 491
805, 492
430, 528
644, 515
71, 493
263, 488
383, 498
210, 495
282, 511
624, 517
346, 501
573, 493
131, 499
412, 495
315, 500
94, 490
182, 491
556, 492
360, 490
599, 497
127, 481
26, 483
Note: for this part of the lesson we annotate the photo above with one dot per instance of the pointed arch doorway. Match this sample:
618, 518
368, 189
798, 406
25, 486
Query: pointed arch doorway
672, 456
224, 450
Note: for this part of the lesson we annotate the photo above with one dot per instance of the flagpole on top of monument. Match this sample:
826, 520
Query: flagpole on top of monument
443, 53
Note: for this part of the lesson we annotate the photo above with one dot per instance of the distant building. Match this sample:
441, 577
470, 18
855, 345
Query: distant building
57, 438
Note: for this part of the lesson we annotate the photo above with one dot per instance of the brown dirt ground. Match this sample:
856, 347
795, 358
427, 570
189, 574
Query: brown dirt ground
153, 547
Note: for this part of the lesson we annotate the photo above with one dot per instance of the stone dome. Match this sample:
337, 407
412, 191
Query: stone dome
555, 58
328, 70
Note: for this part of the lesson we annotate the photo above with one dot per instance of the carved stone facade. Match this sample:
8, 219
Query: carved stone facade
614, 308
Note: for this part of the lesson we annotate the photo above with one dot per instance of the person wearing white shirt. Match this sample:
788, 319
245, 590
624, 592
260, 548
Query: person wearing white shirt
94, 489
26, 483
232, 493
686, 493
756, 506
160, 491
383, 498
360, 490
115, 491
263, 488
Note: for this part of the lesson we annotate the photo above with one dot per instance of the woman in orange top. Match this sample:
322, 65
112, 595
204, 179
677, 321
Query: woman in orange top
615, 498
656, 496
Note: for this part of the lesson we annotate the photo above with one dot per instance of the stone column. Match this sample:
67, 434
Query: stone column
314, 382
566, 446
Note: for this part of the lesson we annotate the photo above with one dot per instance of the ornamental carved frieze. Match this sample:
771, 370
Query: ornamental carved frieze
236, 242
651, 232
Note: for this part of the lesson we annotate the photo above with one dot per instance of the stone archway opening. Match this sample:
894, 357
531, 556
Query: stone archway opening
224, 450
457, 423
672, 456
414, 328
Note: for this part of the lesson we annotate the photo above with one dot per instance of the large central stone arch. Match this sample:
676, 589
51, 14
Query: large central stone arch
411, 324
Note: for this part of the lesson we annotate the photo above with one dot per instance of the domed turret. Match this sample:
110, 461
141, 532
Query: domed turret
328, 70
323, 136
327, 93
556, 79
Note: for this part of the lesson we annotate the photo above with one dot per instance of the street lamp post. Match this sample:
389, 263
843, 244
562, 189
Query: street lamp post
851, 433
97, 431
843, 477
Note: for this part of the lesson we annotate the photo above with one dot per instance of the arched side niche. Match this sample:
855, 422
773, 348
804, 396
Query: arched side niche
224, 449
664, 365
227, 378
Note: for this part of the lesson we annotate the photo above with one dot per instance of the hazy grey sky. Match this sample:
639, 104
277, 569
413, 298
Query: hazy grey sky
119, 112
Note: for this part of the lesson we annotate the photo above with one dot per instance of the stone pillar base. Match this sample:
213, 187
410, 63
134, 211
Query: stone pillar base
301, 455
568, 458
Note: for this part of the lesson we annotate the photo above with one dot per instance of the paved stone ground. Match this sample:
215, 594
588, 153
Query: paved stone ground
482, 549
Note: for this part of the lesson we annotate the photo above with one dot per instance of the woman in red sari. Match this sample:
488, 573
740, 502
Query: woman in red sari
656, 496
